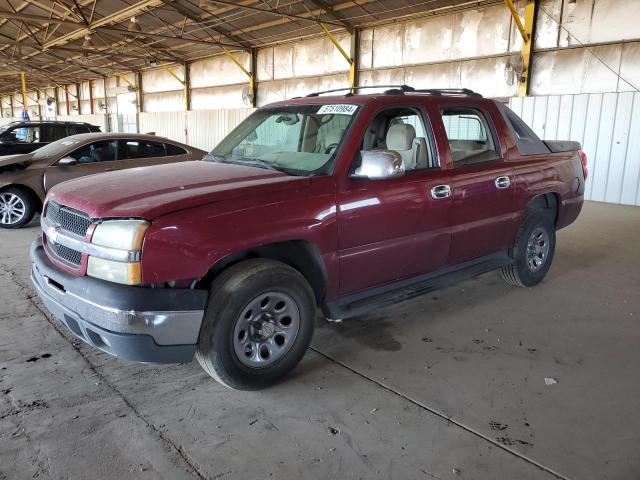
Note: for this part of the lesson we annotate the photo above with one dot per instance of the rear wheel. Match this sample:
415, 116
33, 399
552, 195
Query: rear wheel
258, 324
533, 251
17, 207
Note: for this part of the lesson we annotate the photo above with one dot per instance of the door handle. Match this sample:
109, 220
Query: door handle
503, 182
441, 191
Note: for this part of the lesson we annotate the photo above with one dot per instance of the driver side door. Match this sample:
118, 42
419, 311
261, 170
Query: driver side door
94, 157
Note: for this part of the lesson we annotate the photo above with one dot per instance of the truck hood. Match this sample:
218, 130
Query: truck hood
150, 192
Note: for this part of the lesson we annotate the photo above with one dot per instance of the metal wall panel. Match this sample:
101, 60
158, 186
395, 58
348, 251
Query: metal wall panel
227, 97
164, 124
205, 128
608, 127
159, 80
219, 70
202, 128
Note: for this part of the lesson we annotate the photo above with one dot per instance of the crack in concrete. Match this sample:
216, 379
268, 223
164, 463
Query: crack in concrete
192, 465
437, 413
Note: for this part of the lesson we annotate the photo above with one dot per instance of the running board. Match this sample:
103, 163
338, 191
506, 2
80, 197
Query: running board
362, 302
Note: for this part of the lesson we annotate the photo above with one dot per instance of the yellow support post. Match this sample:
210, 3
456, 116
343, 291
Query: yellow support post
347, 57
184, 84
233, 58
23, 80
527, 32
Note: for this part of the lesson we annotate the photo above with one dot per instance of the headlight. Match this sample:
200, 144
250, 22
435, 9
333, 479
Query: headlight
122, 235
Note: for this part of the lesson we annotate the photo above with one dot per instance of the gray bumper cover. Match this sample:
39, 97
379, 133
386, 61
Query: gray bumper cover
139, 324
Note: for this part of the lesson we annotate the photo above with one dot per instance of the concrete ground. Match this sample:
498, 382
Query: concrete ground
479, 381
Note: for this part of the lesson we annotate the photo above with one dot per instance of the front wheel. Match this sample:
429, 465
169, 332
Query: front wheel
258, 324
532, 252
17, 207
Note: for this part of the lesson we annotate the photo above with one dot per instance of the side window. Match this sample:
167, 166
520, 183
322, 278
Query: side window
51, 133
103, 151
26, 135
173, 150
76, 129
470, 137
142, 149
403, 131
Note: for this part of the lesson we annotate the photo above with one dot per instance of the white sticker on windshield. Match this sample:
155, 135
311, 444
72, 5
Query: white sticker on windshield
68, 142
343, 109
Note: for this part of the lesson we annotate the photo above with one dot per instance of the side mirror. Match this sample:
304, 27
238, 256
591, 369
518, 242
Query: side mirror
379, 165
67, 161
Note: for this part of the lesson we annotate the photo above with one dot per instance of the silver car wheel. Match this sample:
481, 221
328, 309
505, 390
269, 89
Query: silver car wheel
12, 209
537, 249
266, 329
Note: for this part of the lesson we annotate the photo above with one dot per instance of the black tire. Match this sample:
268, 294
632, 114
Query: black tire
229, 296
523, 272
30, 207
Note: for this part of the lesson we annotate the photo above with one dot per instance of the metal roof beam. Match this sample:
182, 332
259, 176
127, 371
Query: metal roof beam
333, 14
277, 13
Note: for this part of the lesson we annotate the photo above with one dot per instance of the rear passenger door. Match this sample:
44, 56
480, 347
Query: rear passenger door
483, 214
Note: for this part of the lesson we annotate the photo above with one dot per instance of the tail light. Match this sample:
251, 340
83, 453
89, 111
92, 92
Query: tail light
583, 159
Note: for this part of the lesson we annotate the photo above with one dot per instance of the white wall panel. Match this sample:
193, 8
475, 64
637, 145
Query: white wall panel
206, 128
163, 102
218, 97
165, 124
98, 120
159, 80
608, 127
219, 70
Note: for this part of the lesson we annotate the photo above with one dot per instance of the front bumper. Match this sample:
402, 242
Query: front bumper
139, 324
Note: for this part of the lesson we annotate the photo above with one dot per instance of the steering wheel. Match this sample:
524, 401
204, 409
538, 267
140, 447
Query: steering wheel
330, 148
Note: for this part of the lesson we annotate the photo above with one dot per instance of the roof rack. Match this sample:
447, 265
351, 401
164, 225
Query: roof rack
404, 89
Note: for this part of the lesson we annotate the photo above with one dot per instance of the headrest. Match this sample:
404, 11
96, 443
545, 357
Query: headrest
333, 136
400, 136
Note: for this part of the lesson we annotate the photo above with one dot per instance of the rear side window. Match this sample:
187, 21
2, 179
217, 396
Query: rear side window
143, 149
51, 133
77, 129
173, 150
471, 139
526, 140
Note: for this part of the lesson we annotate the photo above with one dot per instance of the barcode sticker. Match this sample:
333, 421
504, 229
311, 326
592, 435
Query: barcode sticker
342, 109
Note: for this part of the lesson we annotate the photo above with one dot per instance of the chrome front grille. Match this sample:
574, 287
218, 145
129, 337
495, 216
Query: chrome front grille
69, 220
70, 256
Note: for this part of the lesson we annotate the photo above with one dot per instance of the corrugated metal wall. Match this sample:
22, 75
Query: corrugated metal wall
608, 127
199, 128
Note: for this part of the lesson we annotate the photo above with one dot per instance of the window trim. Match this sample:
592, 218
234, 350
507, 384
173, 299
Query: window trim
490, 124
428, 129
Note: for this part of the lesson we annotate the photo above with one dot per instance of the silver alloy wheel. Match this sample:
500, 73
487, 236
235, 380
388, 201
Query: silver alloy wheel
266, 329
537, 249
12, 208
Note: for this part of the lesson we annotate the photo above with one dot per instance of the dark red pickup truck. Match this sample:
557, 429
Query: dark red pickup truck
344, 202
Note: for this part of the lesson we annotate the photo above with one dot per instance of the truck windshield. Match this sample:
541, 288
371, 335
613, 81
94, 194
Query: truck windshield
299, 140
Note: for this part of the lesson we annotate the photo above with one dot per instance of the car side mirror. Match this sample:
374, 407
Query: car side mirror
67, 161
379, 165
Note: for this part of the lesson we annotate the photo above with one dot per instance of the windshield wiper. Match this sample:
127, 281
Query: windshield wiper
252, 162
210, 157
